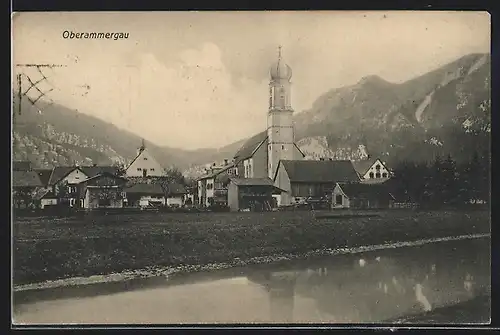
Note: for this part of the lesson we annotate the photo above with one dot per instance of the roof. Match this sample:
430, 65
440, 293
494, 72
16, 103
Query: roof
363, 166
248, 148
102, 174
215, 173
25, 179
60, 172
366, 191
44, 194
176, 188
145, 189
21, 165
320, 171
252, 181
44, 175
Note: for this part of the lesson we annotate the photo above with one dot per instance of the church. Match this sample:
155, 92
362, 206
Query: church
273, 158
260, 155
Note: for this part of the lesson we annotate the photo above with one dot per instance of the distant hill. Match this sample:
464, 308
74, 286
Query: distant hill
444, 111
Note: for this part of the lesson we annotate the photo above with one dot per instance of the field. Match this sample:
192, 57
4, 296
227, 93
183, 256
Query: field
47, 249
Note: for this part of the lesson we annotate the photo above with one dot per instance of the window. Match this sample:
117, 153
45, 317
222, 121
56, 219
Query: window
282, 147
145, 158
71, 202
152, 169
139, 169
81, 203
377, 175
338, 199
384, 174
144, 172
371, 174
377, 167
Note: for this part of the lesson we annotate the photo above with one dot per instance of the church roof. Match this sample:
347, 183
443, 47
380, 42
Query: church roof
250, 146
320, 171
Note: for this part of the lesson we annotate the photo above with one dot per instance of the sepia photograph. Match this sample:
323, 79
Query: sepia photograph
251, 168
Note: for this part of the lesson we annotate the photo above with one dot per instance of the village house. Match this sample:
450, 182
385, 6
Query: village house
103, 190
362, 196
25, 184
212, 186
64, 180
144, 165
373, 170
145, 195
254, 194
306, 179
176, 195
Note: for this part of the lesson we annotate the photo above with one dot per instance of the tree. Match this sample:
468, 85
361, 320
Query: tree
120, 169
174, 175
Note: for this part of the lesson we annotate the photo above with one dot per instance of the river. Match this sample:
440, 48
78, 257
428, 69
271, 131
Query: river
366, 287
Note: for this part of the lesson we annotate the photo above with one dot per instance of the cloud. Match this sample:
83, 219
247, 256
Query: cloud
191, 103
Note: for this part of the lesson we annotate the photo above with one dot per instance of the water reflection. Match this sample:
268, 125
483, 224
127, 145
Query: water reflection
375, 288
367, 288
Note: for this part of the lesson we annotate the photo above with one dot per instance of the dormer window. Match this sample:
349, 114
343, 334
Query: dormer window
145, 158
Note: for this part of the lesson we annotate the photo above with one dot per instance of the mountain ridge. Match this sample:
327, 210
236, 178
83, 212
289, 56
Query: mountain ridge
371, 117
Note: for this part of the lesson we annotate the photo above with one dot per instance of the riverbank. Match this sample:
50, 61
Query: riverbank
474, 311
158, 244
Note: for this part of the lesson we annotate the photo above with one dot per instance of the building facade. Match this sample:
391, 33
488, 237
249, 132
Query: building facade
259, 156
144, 165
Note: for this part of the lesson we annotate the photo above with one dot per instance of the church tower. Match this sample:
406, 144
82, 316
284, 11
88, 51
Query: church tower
280, 130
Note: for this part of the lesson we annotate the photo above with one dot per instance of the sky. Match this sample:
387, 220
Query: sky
200, 79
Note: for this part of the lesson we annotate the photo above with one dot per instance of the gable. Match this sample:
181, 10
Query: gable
145, 161
74, 177
373, 168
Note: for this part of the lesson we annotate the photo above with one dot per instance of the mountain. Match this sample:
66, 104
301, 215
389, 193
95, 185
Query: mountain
444, 111
50, 135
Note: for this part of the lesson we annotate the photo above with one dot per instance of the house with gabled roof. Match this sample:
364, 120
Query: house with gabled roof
144, 165
373, 170
304, 179
145, 195
103, 190
69, 177
212, 186
362, 196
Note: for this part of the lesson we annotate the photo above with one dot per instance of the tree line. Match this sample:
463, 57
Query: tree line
444, 181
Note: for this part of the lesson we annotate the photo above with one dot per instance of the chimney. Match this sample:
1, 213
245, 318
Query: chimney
214, 164
226, 161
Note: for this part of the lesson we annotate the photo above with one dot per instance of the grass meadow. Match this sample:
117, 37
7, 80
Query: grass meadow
49, 248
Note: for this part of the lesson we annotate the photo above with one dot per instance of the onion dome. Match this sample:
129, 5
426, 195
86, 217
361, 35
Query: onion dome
280, 70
